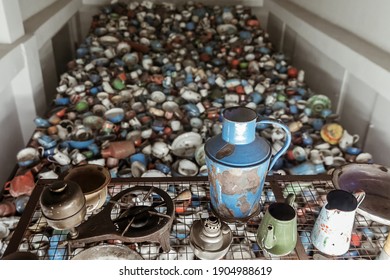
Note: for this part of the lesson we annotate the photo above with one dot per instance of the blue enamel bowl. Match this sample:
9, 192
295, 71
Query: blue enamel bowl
115, 115
80, 144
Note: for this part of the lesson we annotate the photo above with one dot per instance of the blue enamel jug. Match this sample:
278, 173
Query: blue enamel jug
238, 161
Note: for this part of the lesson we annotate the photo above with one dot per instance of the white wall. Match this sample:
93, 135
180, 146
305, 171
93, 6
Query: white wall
11, 27
29, 8
25, 71
367, 19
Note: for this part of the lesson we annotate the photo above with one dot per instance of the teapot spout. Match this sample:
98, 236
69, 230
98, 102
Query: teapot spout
269, 239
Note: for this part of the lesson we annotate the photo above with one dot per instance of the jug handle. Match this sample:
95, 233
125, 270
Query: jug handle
290, 199
269, 239
360, 195
7, 185
287, 141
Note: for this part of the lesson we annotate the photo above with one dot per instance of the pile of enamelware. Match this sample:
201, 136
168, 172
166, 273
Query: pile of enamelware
148, 86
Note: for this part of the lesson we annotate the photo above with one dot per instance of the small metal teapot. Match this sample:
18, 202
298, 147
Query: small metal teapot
63, 205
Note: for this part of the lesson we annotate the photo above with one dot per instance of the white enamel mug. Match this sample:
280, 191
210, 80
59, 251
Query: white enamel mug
332, 230
60, 158
347, 140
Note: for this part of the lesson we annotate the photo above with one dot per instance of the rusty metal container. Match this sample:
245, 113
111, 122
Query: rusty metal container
238, 161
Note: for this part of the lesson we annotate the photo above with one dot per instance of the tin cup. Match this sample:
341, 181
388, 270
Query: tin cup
59, 158
331, 233
277, 232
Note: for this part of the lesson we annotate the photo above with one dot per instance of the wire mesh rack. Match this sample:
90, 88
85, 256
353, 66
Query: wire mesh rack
34, 235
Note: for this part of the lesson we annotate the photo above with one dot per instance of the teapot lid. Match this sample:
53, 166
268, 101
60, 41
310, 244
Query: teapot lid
254, 153
62, 200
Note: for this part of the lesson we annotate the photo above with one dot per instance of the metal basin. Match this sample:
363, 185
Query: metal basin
93, 180
108, 252
374, 179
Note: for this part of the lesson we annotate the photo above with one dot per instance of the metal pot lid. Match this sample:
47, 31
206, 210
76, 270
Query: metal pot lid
62, 200
245, 155
374, 180
108, 252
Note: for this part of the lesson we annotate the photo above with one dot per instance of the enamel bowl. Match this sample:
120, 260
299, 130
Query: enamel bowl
184, 167
93, 122
374, 180
185, 145
93, 180
115, 115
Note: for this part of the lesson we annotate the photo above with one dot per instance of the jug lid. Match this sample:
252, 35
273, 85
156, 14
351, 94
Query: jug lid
254, 153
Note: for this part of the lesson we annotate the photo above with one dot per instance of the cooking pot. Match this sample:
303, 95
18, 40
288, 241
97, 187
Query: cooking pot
63, 205
93, 180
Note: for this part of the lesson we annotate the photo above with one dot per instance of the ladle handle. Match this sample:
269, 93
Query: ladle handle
286, 143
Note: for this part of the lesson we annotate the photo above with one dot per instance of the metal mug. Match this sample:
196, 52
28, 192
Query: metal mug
59, 158
347, 140
332, 230
277, 232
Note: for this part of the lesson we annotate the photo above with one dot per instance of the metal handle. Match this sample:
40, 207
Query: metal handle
7, 185
290, 199
287, 141
360, 195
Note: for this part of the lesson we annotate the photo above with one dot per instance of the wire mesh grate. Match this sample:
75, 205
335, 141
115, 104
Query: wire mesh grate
34, 235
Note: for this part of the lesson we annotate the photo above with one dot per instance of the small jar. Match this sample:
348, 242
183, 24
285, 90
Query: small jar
63, 205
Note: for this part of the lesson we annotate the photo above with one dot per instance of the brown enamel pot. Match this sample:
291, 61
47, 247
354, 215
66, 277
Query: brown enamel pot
93, 180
